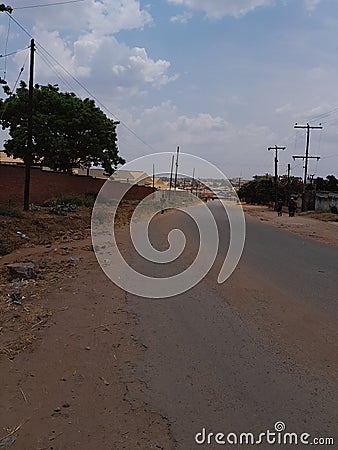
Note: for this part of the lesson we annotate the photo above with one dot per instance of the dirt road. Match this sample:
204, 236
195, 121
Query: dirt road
97, 368
241, 356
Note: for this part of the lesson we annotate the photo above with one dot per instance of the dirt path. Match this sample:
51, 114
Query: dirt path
71, 388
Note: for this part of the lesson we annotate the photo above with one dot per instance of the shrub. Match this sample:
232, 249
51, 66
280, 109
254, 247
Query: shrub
10, 211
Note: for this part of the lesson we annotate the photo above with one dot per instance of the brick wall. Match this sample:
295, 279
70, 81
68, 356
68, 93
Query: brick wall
46, 185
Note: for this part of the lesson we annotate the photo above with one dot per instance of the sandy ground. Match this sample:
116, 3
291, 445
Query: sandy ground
67, 347
321, 227
67, 350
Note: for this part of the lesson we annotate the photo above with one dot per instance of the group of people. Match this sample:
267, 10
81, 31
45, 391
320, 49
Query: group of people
292, 207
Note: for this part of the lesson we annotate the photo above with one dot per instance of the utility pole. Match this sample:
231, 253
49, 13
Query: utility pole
307, 157
28, 156
276, 148
153, 176
171, 174
4, 8
193, 180
177, 152
288, 183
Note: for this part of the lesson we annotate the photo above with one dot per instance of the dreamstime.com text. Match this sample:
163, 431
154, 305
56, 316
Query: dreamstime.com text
276, 437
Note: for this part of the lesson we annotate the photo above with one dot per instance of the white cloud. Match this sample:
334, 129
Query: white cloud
181, 18
105, 59
311, 5
284, 109
217, 9
146, 69
83, 41
105, 17
225, 144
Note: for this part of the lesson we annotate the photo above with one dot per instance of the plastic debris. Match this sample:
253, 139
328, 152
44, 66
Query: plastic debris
23, 235
15, 297
7, 441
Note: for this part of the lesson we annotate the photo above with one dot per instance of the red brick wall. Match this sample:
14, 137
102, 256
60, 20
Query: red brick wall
46, 185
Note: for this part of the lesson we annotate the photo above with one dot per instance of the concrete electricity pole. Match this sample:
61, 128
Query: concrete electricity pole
175, 182
153, 176
307, 157
171, 174
28, 157
276, 148
192, 180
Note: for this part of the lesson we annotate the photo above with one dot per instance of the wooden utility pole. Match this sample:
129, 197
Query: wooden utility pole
307, 157
28, 156
276, 148
176, 170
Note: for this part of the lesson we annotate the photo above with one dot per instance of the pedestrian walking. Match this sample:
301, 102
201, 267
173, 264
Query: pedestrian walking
279, 207
295, 205
291, 207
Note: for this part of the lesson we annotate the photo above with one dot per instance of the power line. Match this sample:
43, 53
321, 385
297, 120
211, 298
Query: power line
48, 4
57, 73
13, 53
66, 83
82, 86
21, 70
6, 46
16, 82
95, 98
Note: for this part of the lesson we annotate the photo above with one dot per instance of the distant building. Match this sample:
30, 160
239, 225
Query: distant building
94, 172
131, 176
4, 159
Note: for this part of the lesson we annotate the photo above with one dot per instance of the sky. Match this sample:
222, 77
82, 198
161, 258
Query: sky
222, 79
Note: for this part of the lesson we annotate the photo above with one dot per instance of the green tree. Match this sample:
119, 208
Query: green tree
261, 189
328, 184
68, 132
331, 183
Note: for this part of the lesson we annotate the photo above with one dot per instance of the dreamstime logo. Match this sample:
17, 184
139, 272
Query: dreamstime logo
279, 436
107, 250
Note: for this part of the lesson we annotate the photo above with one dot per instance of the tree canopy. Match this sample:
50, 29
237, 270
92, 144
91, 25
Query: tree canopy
68, 132
261, 189
328, 184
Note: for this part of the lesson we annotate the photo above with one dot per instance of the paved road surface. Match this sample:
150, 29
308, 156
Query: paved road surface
240, 356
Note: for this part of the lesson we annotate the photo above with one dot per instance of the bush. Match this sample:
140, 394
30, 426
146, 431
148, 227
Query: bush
76, 200
10, 211
334, 209
69, 199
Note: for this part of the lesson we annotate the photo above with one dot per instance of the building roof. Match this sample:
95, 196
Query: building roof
129, 176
